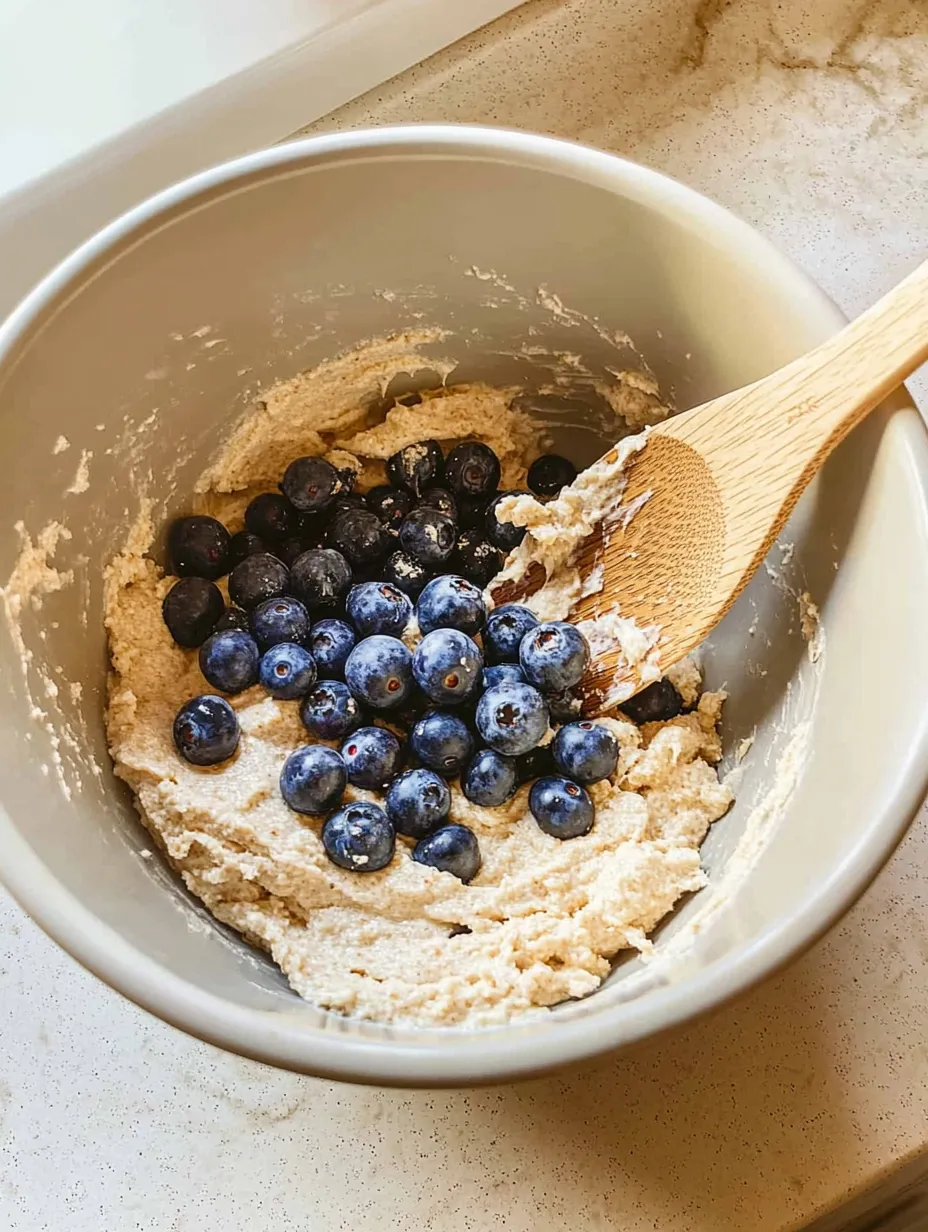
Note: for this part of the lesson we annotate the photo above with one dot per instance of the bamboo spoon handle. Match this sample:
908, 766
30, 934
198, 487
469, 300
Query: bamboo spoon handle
800, 413
717, 483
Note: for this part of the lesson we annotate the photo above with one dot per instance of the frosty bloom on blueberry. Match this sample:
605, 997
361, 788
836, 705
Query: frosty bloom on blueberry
372, 757
312, 779
287, 671
378, 607
491, 779
586, 752
206, 731
442, 742
229, 661
554, 656
447, 666
359, 837
418, 802
512, 717
451, 602
330, 712
506, 627
379, 672
428, 536
331, 642
279, 620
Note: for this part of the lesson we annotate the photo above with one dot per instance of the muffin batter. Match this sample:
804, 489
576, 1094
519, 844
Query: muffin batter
543, 919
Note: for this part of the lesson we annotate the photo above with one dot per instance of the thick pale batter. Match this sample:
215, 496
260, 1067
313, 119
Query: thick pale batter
542, 920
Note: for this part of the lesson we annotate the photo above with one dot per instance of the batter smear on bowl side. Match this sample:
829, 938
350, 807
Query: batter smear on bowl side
365, 774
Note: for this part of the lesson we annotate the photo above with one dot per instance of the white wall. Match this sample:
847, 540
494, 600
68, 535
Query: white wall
103, 102
75, 72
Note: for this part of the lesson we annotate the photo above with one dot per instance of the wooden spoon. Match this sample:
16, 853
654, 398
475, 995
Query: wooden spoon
723, 479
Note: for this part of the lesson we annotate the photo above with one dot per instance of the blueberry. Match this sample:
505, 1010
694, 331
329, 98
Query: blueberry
447, 666
505, 628
549, 473
350, 500
257, 578
289, 550
389, 504
472, 469
657, 703
500, 673
243, 543
466, 711
512, 718
535, 763
271, 517
372, 757
406, 573
206, 730
491, 779
359, 837
585, 752
554, 656
379, 672
279, 620
451, 602
442, 500
319, 578
503, 535
310, 484
378, 607
330, 712
428, 536
199, 547
229, 661
452, 849
472, 510
416, 467
232, 618
311, 528
418, 802
411, 711
476, 558
313, 779
442, 742
359, 535
191, 609
564, 707
562, 809
331, 642
287, 671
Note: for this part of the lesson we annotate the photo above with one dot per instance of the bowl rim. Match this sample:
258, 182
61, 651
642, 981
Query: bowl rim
453, 1057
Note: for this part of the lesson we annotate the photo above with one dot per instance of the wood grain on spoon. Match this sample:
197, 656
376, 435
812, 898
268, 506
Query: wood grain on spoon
724, 477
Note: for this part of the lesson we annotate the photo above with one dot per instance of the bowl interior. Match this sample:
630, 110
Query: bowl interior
147, 347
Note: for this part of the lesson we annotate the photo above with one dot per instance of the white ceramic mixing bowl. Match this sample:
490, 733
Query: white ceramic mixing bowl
286, 256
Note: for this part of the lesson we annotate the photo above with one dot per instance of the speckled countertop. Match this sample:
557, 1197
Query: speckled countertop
809, 118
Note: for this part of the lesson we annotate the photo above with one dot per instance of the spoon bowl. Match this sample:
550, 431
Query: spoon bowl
710, 489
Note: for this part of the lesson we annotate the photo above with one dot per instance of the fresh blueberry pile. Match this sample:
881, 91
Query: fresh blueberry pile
323, 584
